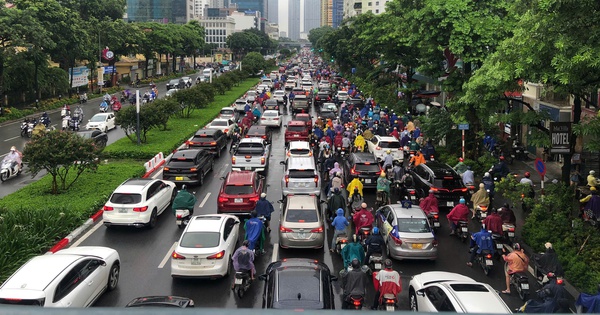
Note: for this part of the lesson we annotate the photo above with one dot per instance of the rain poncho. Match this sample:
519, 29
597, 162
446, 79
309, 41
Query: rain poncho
355, 183
480, 198
336, 168
359, 142
254, 233
351, 251
183, 200
429, 204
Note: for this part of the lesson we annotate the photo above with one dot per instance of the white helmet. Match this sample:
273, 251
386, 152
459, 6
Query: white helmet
263, 195
592, 172
13, 148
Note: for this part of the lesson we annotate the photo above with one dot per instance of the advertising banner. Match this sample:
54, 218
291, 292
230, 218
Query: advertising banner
80, 76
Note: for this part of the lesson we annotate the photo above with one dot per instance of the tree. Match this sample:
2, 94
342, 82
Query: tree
253, 62
61, 153
243, 42
149, 119
317, 33
164, 108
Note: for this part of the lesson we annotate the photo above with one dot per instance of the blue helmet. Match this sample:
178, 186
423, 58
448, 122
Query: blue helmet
462, 200
375, 230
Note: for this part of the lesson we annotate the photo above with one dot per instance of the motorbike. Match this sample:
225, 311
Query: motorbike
470, 188
509, 233
389, 302
485, 261
434, 220
103, 109
182, 217
518, 151
498, 244
364, 233
264, 221
356, 301
45, 121
8, 170
375, 262
381, 199
65, 122
481, 212
27, 128
463, 230
520, 281
241, 283
65, 111
116, 106
411, 195
340, 242
83, 98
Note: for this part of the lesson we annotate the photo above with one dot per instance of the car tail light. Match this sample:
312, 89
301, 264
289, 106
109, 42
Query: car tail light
213, 143
193, 169
433, 189
287, 180
353, 171
283, 229
317, 230
276, 118
233, 160
222, 199
397, 241
175, 255
434, 243
316, 180
317, 98
226, 130
140, 209
166, 169
188, 142
262, 161
263, 118
107, 208
471, 187
264, 137
463, 189
254, 198
218, 255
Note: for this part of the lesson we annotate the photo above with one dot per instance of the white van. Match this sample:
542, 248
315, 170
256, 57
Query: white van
207, 72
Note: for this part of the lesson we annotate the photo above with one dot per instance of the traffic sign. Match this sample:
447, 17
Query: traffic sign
463, 126
540, 166
109, 69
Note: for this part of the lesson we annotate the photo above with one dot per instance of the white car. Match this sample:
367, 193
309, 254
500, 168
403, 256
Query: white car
225, 125
206, 246
290, 84
138, 202
323, 84
229, 113
379, 145
72, 277
271, 118
278, 96
439, 291
298, 148
251, 96
101, 121
342, 96
171, 92
187, 81
240, 105
262, 88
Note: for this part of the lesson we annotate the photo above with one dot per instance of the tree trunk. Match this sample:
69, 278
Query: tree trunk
174, 65
72, 62
566, 168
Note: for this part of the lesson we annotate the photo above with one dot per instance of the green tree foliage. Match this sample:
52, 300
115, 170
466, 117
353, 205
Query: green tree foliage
59, 153
165, 108
253, 62
126, 118
317, 33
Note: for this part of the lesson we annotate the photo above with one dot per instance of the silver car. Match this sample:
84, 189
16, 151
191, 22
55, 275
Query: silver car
300, 176
301, 223
406, 232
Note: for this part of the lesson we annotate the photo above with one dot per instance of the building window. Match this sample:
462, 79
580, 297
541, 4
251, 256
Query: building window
377, 3
370, 4
377, 11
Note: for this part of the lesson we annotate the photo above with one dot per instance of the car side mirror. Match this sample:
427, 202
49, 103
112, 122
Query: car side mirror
262, 277
421, 293
333, 278
236, 222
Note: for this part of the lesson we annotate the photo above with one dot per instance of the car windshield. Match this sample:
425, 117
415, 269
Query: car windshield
239, 190
200, 240
389, 145
98, 118
300, 151
296, 128
330, 108
270, 114
85, 135
301, 173
367, 167
294, 285
125, 199
201, 138
279, 93
343, 93
219, 123
447, 183
301, 215
180, 163
251, 93
227, 112
174, 82
413, 225
469, 287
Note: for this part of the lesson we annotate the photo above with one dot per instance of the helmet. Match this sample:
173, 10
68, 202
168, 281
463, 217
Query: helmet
501, 158
375, 230
363, 205
387, 263
469, 167
527, 174
487, 174
460, 159
253, 214
338, 174
431, 191
548, 245
481, 185
382, 174
462, 200
592, 172
355, 263
388, 151
13, 148
246, 243
593, 188
517, 246
263, 195
336, 190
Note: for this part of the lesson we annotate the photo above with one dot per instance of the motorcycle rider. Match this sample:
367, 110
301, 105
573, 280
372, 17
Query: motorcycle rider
507, 215
480, 197
336, 200
264, 208
388, 160
354, 282
548, 263
592, 181
493, 222
16, 157
460, 167
362, 218
354, 250
355, 186
417, 159
468, 177
383, 186
104, 105
386, 281
480, 241
374, 243
489, 185
529, 183
429, 204
516, 262
243, 260
592, 204
552, 296
339, 223
254, 231
184, 200
336, 181
459, 213
501, 169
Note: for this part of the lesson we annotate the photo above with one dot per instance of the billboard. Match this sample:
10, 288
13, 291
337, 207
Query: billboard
80, 76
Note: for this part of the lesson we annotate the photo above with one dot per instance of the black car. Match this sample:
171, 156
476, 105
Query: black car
271, 104
298, 284
446, 184
100, 138
189, 166
322, 97
175, 84
357, 102
364, 166
161, 301
258, 131
213, 140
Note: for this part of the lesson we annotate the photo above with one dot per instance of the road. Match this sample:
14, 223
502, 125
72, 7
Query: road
145, 264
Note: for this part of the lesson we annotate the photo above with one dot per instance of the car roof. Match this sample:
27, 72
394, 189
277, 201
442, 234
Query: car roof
413, 212
429, 277
240, 100
207, 131
298, 144
252, 140
187, 153
102, 114
301, 162
271, 101
221, 119
271, 111
297, 262
440, 169
302, 202
38, 272
256, 128
239, 177
229, 108
362, 157
134, 185
476, 297
297, 123
206, 223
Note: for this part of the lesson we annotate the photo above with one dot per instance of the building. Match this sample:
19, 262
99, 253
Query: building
217, 29
355, 7
311, 15
272, 30
294, 20
162, 11
272, 13
246, 20
326, 12
337, 13
248, 5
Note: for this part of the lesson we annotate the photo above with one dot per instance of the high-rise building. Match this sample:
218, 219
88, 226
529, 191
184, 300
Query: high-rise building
252, 5
327, 12
294, 20
162, 11
272, 14
337, 13
356, 7
312, 15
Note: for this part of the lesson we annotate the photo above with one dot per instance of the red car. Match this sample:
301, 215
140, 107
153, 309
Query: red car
296, 130
240, 192
305, 118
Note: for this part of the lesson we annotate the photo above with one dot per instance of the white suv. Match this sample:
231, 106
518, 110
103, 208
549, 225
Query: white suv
73, 277
439, 291
138, 202
379, 145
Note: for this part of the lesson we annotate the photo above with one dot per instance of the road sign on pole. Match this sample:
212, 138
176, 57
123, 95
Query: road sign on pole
540, 166
463, 126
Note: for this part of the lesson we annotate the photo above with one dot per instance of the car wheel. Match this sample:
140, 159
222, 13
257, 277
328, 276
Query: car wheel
105, 129
201, 180
113, 276
212, 165
219, 152
153, 219
412, 300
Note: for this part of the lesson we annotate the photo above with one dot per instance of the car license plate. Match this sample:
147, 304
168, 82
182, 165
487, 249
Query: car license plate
489, 262
367, 180
390, 308
248, 168
239, 280
178, 178
525, 286
377, 266
238, 200
302, 236
123, 210
196, 261
483, 214
343, 245
417, 246
450, 203
499, 246
465, 229
511, 234
436, 224
295, 136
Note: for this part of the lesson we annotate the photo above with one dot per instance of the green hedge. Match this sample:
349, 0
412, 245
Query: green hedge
179, 129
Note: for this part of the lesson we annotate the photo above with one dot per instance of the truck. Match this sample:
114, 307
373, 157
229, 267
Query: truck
251, 154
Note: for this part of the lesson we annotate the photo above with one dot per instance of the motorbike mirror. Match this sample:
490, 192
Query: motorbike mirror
420, 293
262, 277
282, 162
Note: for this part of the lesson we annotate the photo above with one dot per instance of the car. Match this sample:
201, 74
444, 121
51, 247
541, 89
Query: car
189, 166
271, 104
300, 176
174, 84
138, 202
298, 284
322, 97
329, 111
445, 182
251, 96
161, 301
301, 224
278, 96
298, 91
73, 277
439, 291
240, 192
356, 102
406, 232
290, 84
202, 79
364, 166
171, 92
296, 130
102, 121
268, 82
307, 118
212, 140
380, 144
262, 88
225, 125
298, 148
342, 96
259, 131
271, 118
205, 247
230, 113
187, 81
273, 75
307, 85
100, 138
324, 84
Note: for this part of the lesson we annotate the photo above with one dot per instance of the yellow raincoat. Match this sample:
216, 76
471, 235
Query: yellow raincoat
360, 143
355, 183
480, 197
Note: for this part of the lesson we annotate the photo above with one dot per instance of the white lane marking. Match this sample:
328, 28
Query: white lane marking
274, 258
204, 200
88, 233
164, 261
12, 138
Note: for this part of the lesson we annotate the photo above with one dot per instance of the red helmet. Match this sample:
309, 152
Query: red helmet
527, 174
460, 159
501, 158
